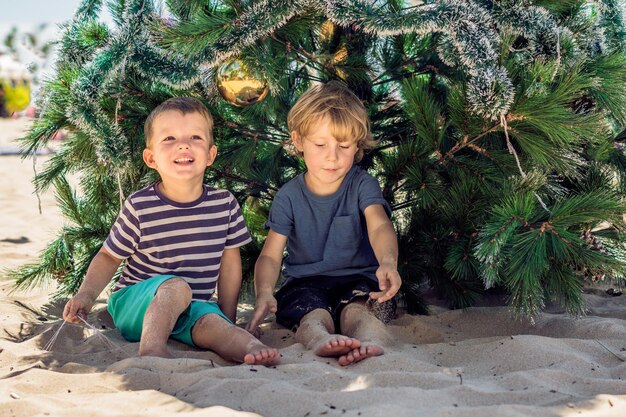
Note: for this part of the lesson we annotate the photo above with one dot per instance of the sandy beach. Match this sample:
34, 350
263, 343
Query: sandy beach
474, 362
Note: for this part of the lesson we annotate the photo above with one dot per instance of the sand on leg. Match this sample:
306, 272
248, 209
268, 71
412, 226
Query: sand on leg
170, 300
317, 333
213, 332
358, 321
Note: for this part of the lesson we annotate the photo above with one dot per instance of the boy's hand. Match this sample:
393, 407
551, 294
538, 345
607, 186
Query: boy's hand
389, 282
79, 306
265, 304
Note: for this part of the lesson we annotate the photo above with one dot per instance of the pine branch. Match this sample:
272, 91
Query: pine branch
437, 79
251, 183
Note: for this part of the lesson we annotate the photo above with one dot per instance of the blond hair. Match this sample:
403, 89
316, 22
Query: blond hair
347, 115
185, 105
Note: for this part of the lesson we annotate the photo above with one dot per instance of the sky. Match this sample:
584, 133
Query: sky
41, 18
20, 12
29, 15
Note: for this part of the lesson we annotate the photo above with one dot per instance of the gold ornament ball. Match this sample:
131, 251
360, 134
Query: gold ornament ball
238, 86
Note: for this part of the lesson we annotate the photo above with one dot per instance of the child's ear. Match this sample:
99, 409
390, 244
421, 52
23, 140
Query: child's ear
212, 155
297, 141
148, 158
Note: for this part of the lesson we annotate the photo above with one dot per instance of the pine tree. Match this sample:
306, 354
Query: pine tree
500, 127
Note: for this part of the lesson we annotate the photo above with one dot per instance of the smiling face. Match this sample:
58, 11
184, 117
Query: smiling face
180, 148
327, 159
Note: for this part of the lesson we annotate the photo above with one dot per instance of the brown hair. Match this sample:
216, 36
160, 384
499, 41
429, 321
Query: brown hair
348, 117
185, 105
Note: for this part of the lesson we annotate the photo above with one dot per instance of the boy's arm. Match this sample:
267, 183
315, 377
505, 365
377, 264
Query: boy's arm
229, 283
384, 242
266, 272
100, 272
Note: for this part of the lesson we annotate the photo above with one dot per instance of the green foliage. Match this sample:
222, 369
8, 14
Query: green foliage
500, 129
533, 253
9, 40
66, 259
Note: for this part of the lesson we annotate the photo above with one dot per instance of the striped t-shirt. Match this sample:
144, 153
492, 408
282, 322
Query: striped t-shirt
158, 236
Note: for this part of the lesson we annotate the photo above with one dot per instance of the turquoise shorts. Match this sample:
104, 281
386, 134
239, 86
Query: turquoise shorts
128, 307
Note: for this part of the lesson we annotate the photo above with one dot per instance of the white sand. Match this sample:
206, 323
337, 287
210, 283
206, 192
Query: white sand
24, 231
476, 362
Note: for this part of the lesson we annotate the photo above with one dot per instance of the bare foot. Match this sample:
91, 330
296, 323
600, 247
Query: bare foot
357, 355
334, 345
158, 352
260, 354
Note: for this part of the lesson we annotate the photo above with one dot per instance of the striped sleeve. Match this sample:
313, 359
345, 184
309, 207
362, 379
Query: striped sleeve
125, 234
237, 231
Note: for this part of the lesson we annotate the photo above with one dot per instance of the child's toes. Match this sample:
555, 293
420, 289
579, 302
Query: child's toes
353, 343
360, 353
269, 354
346, 359
261, 357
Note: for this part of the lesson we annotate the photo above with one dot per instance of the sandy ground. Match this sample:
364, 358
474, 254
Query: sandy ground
474, 362
25, 231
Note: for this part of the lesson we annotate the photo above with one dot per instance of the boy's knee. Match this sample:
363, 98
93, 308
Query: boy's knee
319, 314
359, 305
355, 310
212, 320
316, 317
179, 287
368, 310
207, 327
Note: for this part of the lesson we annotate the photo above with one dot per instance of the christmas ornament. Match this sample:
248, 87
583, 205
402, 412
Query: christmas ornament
327, 31
238, 86
14, 86
337, 52
340, 58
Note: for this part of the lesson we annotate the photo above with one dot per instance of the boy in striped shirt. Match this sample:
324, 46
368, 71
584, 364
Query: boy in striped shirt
180, 239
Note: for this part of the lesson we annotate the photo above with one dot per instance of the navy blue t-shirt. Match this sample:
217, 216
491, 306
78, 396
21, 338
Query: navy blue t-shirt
327, 235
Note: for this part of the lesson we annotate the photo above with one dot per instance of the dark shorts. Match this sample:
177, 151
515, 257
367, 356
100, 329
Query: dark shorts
300, 296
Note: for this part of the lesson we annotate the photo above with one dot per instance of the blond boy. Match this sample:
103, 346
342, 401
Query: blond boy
180, 239
341, 245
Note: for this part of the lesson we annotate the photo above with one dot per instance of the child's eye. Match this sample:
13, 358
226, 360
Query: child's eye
169, 138
320, 145
196, 137
345, 146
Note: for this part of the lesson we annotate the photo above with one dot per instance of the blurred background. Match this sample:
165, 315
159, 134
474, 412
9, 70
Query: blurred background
29, 31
